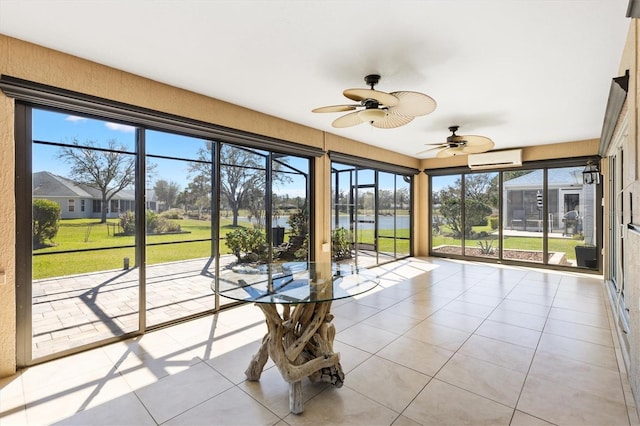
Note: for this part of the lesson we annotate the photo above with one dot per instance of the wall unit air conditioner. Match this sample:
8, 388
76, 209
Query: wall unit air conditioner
495, 159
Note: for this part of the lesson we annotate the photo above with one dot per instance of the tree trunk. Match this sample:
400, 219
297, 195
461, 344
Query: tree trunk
103, 211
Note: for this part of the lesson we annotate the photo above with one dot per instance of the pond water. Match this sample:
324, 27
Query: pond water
384, 222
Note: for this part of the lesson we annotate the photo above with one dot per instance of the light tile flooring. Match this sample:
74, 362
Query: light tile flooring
439, 342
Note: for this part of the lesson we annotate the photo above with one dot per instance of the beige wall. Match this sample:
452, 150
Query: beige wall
7, 240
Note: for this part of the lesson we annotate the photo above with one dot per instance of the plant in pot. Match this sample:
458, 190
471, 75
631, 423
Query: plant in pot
587, 256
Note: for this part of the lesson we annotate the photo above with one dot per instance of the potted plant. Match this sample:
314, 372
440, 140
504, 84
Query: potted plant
587, 256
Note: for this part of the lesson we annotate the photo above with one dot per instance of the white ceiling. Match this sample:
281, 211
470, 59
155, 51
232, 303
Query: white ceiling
522, 72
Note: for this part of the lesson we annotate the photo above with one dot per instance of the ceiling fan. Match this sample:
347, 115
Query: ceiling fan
460, 145
380, 109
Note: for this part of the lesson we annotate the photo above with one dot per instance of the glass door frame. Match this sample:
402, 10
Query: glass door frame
616, 255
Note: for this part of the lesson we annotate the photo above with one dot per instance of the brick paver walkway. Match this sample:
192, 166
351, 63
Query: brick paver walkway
71, 311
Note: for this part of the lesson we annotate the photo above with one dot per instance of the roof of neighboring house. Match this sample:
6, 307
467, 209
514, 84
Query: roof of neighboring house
46, 184
556, 177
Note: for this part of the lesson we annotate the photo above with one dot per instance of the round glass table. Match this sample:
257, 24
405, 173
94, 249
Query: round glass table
295, 298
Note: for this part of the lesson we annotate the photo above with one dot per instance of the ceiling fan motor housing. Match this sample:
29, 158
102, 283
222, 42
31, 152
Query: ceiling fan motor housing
370, 103
372, 80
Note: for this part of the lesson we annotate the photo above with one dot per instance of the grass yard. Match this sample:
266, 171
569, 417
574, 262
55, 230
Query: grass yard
101, 250
565, 245
386, 240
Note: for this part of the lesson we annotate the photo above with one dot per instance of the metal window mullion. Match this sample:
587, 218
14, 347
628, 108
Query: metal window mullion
356, 199
545, 209
24, 249
501, 217
215, 218
310, 207
463, 216
141, 231
376, 208
268, 205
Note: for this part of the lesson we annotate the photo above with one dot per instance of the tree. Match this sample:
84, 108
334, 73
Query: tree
402, 198
450, 207
242, 174
197, 194
385, 199
255, 204
482, 187
167, 192
106, 170
45, 220
480, 195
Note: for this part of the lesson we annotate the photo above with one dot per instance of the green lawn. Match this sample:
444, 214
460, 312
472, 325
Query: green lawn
519, 243
99, 249
89, 235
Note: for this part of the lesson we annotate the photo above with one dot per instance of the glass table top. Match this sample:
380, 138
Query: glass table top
294, 282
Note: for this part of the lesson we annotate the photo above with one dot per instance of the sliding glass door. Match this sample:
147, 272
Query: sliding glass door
544, 215
370, 214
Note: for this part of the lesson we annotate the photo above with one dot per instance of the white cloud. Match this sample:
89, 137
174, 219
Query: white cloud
120, 127
74, 118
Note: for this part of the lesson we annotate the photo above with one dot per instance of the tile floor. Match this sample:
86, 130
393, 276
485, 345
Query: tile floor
439, 342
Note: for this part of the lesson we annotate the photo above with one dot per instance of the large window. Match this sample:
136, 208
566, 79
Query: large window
162, 197
370, 214
540, 215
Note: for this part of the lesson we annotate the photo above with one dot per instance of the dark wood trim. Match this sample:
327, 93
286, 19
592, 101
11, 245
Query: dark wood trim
42, 95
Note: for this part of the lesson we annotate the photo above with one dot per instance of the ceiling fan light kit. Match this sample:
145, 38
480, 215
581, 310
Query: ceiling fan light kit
380, 109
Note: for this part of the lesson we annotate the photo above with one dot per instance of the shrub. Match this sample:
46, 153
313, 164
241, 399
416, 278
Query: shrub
494, 222
298, 223
156, 224
340, 244
45, 221
172, 214
302, 252
486, 247
128, 222
249, 245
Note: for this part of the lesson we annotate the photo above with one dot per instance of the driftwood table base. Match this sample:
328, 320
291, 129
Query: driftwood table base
300, 343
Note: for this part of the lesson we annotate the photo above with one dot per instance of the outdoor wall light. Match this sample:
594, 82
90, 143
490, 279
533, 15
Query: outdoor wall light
591, 174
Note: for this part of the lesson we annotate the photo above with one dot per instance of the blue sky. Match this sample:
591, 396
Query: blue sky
64, 128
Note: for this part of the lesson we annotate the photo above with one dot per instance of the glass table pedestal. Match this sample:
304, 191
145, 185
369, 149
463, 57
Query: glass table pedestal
295, 299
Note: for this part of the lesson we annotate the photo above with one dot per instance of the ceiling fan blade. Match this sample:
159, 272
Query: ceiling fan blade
412, 104
440, 146
477, 144
450, 152
383, 98
347, 120
335, 108
389, 121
